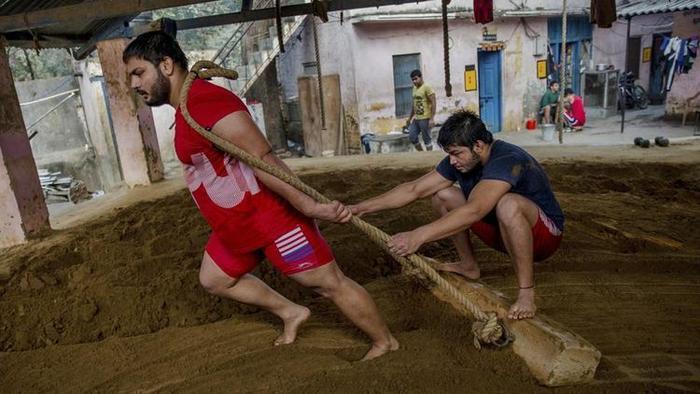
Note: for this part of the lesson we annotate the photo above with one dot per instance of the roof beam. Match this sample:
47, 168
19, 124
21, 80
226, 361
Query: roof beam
94, 10
26, 40
246, 5
120, 27
290, 10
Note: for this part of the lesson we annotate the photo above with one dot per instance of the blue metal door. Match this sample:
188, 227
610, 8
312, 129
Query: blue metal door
573, 62
403, 87
490, 89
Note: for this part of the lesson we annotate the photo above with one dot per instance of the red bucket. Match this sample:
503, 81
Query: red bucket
531, 124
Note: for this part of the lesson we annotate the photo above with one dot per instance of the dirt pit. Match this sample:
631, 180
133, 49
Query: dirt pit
115, 304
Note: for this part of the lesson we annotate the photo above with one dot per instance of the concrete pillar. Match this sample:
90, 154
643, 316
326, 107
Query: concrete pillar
94, 103
132, 119
23, 210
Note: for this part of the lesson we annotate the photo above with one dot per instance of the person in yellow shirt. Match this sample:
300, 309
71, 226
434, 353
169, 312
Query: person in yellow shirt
422, 112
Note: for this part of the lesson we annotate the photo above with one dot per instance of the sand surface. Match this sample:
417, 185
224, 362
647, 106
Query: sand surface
114, 304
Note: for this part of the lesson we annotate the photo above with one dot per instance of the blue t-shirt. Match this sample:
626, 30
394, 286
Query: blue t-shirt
509, 163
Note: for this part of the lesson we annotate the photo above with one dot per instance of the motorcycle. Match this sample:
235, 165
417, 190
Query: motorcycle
634, 95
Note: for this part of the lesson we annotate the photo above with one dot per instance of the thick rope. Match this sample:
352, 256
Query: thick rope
278, 22
446, 48
320, 74
563, 76
487, 330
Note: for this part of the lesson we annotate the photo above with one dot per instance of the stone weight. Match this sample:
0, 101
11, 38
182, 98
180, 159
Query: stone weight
661, 141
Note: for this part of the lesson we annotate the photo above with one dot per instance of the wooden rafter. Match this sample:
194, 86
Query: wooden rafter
94, 10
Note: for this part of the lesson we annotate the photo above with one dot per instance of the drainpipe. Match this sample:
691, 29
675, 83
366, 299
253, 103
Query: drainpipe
623, 99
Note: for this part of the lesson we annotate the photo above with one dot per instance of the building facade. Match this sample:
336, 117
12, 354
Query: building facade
374, 50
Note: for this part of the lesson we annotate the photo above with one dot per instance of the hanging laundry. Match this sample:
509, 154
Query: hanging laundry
483, 11
679, 55
603, 12
692, 53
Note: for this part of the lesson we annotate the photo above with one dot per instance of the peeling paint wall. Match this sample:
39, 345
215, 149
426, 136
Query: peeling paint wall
377, 43
498, 5
361, 51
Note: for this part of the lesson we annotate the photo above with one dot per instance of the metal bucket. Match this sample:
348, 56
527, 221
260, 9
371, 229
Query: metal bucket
547, 131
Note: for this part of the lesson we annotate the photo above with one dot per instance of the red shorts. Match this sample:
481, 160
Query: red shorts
546, 237
297, 247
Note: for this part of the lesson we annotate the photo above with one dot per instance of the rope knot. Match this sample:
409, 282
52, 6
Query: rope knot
205, 69
490, 332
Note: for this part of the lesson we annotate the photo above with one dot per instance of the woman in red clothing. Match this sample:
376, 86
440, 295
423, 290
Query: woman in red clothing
574, 114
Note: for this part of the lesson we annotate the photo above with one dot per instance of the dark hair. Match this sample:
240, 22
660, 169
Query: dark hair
416, 73
552, 83
463, 128
568, 91
154, 46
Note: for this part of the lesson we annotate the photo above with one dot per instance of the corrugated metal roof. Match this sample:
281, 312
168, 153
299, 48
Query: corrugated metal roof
644, 7
73, 33
11, 7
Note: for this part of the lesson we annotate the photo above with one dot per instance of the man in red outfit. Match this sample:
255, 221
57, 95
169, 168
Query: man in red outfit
574, 114
253, 215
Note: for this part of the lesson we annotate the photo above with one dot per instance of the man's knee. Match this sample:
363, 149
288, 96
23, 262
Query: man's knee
508, 207
214, 284
448, 198
413, 132
513, 207
209, 284
330, 284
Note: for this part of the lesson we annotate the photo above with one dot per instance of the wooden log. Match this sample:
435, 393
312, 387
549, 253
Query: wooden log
555, 355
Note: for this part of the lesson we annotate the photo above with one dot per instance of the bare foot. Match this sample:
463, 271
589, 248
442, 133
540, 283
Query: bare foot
292, 324
524, 307
380, 349
469, 271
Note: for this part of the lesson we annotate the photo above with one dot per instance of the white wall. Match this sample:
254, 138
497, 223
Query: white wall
498, 5
609, 45
377, 43
361, 51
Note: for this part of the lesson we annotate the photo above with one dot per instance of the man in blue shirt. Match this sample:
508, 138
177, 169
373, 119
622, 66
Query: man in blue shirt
504, 197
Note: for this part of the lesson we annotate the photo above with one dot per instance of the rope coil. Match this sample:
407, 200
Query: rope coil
488, 329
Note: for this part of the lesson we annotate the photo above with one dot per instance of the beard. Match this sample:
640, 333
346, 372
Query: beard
471, 163
161, 91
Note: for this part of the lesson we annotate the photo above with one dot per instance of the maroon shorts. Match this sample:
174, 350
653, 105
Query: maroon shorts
298, 247
546, 237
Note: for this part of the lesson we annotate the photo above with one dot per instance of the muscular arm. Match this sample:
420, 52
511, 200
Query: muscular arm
404, 193
482, 200
239, 129
433, 105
